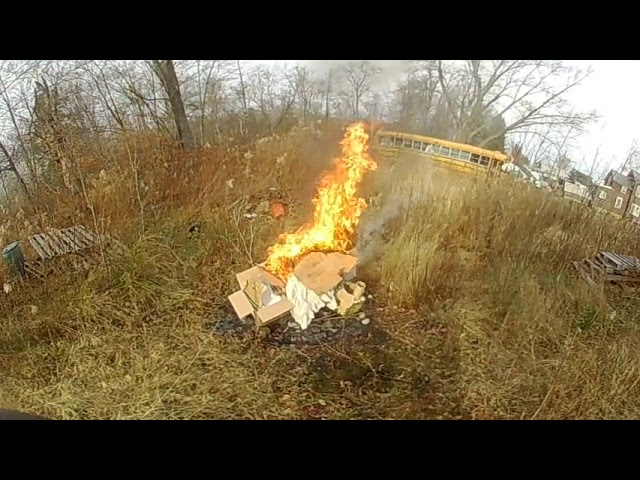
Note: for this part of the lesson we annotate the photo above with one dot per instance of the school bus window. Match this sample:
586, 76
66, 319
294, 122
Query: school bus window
484, 161
407, 143
397, 141
425, 147
455, 153
445, 151
475, 158
417, 145
465, 156
387, 141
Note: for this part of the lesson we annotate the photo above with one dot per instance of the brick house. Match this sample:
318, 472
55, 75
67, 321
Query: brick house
614, 194
633, 209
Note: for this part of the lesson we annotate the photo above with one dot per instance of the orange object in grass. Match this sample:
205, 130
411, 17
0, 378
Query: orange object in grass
277, 210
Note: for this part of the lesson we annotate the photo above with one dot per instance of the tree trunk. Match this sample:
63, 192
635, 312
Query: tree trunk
166, 72
14, 169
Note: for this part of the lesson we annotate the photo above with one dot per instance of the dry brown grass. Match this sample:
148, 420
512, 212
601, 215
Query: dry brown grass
493, 262
478, 314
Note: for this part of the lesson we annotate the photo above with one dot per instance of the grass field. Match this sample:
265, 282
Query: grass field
476, 312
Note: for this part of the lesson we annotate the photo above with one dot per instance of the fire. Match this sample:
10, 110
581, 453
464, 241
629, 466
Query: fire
337, 207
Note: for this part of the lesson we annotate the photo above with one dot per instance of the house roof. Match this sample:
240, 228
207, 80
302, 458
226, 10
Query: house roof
634, 175
580, 177
620, 179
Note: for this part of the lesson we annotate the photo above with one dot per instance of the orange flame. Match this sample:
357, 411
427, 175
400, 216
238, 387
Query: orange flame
337, 207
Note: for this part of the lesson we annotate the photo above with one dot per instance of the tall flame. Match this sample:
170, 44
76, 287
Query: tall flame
337, 207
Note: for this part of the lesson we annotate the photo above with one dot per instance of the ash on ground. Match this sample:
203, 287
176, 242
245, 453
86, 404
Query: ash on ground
326, 328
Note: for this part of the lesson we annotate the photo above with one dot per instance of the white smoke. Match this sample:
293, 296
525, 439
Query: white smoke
372, 226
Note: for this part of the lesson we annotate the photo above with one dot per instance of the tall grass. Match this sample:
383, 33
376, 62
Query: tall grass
479, 313
493, 259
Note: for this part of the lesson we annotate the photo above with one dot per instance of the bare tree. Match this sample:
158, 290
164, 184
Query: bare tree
165, 70
243, 91
305, 89
203, 92
359, 76
527, 92
632, 159
417, 99
14, 168
270, 93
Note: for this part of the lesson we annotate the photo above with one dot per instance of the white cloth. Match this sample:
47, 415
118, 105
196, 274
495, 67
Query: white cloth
269, 297
306, 303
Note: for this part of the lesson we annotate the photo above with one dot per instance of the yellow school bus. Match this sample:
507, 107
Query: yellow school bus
455, 156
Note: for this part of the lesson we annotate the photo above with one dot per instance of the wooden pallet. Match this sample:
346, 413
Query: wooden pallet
34, 270
609, 267
58, 242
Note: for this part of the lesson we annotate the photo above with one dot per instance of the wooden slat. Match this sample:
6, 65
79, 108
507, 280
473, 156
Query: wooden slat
33, 270
633, 263
606, 261
70, 245
88, 235
45, 249
35, 243
54, 245
624, 264
593, 266
85, 236
59, 239
59, 242
602, 265
59, 247
35, 246
79, 238
612, 259
73, 239
584, 275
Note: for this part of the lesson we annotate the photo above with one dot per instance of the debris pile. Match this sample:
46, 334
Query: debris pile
319, 281
313, 269
609, 267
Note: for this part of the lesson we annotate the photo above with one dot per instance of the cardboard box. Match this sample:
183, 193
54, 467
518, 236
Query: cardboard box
323, 272
263, 314
350, 298
347, 303
241, 304
258, 271
271, 313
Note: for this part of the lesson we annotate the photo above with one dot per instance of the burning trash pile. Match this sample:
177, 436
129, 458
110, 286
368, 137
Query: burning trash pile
314, 268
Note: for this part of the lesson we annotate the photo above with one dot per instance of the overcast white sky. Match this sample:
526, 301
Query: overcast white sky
613, 90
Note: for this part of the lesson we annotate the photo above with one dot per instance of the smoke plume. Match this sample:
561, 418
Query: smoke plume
372, 226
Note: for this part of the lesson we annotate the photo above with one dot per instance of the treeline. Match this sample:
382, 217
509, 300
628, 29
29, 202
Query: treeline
58, 115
